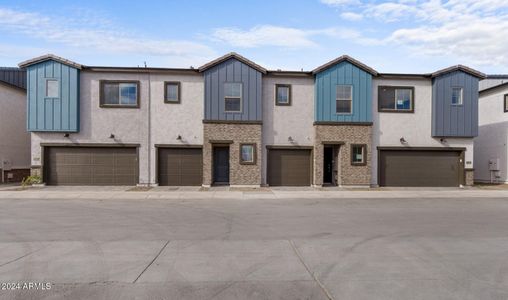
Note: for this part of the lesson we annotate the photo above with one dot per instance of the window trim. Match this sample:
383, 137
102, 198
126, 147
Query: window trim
226, 97
254, 154
46, 87
505, 102
101, 94
461, 96
179, 85
336, 99
402, 111
364, 162
277, 103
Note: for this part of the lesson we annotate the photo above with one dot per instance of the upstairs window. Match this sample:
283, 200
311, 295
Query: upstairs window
506, 103
119, 94
52, 88
171, 92
344, 99
232, 97
282, 94
456, 96
395, 99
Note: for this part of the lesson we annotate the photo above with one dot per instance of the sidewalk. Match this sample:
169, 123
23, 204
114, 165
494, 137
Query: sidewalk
182, 193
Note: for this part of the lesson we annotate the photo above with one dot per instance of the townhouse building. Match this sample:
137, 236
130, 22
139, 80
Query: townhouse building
490, 147
233, 122
14, 139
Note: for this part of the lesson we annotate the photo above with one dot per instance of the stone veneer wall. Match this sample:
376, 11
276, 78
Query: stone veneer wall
237, 133
346, 134
469, 177
17, 175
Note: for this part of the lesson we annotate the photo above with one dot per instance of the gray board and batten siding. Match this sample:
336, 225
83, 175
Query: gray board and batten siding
449, 120
233, 70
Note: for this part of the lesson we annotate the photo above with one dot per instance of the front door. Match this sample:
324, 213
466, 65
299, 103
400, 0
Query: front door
221, 165
328, 165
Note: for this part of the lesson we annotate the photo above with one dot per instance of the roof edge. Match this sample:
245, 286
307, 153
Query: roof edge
229, 56
462, 68
47, 57
349, 59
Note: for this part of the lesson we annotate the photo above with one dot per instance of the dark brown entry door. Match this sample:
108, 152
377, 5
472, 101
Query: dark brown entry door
221, 165
289, 167
180, 166
328, 165
420, 168
90, 166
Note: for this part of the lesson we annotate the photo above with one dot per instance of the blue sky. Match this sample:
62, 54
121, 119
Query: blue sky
406, 36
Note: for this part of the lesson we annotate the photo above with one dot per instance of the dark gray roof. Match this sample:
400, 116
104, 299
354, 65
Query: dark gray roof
13, 76
348, 59
235, 56
46, 57
462, 68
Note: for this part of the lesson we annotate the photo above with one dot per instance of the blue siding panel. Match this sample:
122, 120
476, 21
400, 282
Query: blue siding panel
233, 70
455, 120
343, 73
59, 114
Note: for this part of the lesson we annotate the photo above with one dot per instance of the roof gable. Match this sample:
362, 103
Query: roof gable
461, 68
348, 59
229, 56
47, 57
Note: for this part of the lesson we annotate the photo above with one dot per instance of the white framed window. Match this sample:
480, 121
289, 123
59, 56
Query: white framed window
247, 154
52, 88
344, 99
232, 97
506, 103
456, 96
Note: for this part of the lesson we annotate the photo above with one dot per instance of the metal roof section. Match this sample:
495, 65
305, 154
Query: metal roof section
13, 76
47, 57
462, 68
235, 56
348, 59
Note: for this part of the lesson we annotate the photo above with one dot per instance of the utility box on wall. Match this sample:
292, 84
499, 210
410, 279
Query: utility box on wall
6, 165
494, 164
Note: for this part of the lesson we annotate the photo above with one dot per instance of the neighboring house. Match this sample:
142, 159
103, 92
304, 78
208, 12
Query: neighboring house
235, 123
491, 151
14, 139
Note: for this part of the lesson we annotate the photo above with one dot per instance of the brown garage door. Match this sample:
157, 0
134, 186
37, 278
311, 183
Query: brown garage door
91, 166
289, 167
180, 167
420, 168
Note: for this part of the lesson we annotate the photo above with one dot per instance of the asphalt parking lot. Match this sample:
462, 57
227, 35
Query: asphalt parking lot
256, 247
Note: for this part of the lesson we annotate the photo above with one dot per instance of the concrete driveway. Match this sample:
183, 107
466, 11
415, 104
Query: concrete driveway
256, 247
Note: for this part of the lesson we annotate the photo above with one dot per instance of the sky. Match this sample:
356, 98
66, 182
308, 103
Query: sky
396, 36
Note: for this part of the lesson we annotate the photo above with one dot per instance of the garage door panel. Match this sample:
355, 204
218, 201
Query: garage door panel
91, 166
420, 168
180, 166
289, 167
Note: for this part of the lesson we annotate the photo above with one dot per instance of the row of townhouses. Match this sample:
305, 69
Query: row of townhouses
233, 122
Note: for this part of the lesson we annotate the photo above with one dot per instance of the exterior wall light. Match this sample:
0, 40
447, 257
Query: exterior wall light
403, 140
66, 135
179, 137
111, 136
290, 139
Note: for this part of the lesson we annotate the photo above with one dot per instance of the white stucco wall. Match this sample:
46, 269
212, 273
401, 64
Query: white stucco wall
14, 139
170, 120
492, 139
415, 127
129, 125
282, 122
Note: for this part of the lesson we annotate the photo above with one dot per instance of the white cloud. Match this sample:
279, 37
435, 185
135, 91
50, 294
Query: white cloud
351, 16
96, 35
340, 2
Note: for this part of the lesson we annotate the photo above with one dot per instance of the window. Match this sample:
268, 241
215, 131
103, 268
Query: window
119, 94
456, 96
344, 99
248, 154
232, 97
395, 99
359, 155
506, 103
171, 92
52, 88
282, 94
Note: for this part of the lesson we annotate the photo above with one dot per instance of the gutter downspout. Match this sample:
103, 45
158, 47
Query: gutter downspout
149, 129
